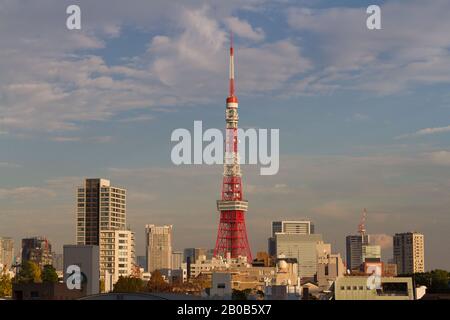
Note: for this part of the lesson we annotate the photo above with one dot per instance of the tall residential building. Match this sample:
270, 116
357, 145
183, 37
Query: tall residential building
117, 255
303, 247
38, 250
158, 247
100, 206
288, 226
409, 252
354, 250
177, 260
6, 251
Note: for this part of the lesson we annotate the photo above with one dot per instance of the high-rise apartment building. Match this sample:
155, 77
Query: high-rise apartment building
100, 206
158, 247
354, 250
288, 226
117, 255
409, 252
38, 250
6, 251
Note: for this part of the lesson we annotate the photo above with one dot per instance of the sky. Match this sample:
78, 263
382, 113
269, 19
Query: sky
363, 115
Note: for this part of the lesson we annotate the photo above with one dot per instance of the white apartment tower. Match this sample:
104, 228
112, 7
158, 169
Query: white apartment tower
409, 252
117, 255
158, 247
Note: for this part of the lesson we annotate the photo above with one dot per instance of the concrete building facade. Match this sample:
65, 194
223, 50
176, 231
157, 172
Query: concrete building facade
86, 257
409, 252
7, 252
158, 247
117, 255
302, 247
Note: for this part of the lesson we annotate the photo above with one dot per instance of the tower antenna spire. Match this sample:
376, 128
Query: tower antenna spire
231, 94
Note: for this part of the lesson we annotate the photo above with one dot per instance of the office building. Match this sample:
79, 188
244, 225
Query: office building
371, 252
6, 252
158, 247
86, 258
117, 255
303, 247
354, 250
288, 226
193, 254
409, 252
330, 267
38, 250
100, 206
177, 260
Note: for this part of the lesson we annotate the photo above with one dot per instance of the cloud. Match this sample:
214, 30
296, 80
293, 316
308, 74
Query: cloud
50, 86
26, 193
9, 165
425, 132
243, 29
440, 157
395, 59
332, 209
382, 240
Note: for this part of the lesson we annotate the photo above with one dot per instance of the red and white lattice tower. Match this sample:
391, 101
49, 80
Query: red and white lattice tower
232, 233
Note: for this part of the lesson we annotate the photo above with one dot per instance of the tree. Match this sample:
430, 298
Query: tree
240, 294
49, 274
157, 283
129, 284
437, 281
5, 284
29, 273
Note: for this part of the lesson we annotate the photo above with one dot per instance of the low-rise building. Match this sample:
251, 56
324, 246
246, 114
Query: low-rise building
361, 288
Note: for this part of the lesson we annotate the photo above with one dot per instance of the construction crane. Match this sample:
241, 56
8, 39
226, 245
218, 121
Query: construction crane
362, 224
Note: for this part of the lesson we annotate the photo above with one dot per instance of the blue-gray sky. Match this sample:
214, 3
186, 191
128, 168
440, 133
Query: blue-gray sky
363, 115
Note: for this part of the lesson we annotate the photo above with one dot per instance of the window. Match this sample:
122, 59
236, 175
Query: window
349, 288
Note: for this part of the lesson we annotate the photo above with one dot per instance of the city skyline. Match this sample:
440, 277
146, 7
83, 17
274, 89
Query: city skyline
362, 121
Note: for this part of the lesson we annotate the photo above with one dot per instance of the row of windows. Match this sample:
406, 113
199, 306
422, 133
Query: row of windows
352, 288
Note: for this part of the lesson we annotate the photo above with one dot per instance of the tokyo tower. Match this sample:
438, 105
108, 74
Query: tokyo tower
232, 233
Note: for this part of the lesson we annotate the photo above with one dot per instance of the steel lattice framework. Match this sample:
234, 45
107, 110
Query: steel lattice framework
232, 233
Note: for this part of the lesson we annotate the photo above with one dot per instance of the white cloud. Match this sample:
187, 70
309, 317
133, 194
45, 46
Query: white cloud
25, 193
425, 132
440, 157
383, 240
243, 29
401, 56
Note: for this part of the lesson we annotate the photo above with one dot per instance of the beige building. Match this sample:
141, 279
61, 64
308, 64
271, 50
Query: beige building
158, 247
409, 252
329, 268
117, 255
100, 206
177, 259
6, 252
390, 288
304, 248
371, 252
